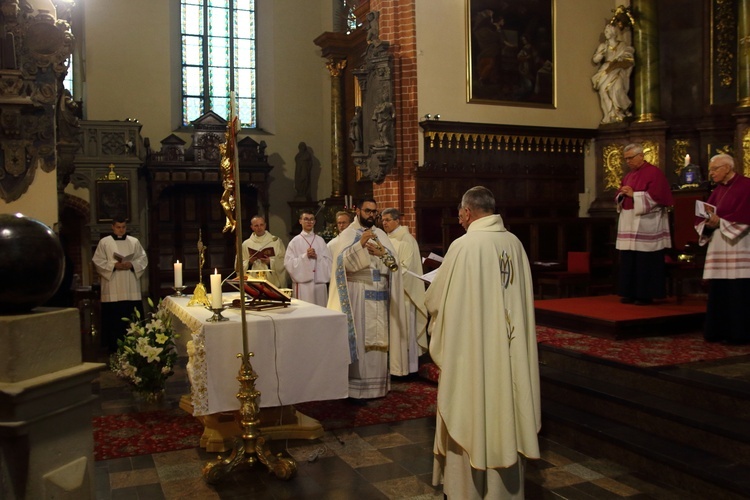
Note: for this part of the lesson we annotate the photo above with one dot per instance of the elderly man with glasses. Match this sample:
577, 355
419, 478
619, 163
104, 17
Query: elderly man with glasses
410, 259
643, 229
366, 287
727, 267
308, 262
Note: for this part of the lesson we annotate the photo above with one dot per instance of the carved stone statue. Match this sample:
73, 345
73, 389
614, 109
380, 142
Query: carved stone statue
303, 172
383, 116
355, 129
616, 58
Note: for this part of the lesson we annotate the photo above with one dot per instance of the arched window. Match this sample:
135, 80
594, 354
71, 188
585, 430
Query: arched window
218, 55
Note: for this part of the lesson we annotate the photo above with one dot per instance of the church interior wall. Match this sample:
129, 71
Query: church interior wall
441, 68
441, 72
39, 202
132, 62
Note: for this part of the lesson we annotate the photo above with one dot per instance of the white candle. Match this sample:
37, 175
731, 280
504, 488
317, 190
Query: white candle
216, 301
177, 274
687, 160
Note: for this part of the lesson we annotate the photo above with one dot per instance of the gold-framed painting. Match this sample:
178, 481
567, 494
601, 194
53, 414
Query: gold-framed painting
112, 199
510, 56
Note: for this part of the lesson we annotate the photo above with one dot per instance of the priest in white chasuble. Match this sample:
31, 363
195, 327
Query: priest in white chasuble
370, 293
483, 339
262, 251
410, 259
308, 262
120, 262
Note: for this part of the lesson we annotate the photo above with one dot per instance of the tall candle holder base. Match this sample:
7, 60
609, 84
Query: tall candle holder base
217, 315
178, 291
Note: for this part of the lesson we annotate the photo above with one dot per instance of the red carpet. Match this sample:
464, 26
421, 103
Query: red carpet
643, 352
131, 434
406, 401
605, 316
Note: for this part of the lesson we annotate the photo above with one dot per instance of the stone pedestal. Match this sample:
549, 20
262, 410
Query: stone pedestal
46, 439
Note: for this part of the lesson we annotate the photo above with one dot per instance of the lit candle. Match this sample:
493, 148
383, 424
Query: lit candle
216, 300
687, 160
177, 274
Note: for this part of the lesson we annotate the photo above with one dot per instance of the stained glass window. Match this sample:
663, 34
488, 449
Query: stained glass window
218, 55
68, 80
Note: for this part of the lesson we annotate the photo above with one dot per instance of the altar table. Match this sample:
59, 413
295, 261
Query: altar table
301, 354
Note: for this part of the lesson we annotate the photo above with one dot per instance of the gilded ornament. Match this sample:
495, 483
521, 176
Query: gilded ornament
612, 162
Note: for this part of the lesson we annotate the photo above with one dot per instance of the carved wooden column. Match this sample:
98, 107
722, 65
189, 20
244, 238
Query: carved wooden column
743, 52
338, 170
646, 44
742, 113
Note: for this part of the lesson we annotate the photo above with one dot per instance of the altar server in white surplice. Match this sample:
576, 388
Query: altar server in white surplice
372, 297
483, 339
120, 261
409, 259
257, 250
308, 262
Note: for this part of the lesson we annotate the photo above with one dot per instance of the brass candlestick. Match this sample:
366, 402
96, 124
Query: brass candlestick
251, 447
217, 314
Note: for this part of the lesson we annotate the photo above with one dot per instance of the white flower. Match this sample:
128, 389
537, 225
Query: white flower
147, 354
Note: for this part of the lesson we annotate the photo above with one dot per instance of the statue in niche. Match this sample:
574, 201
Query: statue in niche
373, 26
616, 57
68, 123
303, 172
355, 129
383, 116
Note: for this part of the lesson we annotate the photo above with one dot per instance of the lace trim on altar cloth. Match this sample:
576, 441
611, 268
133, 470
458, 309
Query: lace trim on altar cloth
196, 367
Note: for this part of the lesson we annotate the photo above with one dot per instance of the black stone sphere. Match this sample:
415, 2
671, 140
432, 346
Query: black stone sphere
32, 262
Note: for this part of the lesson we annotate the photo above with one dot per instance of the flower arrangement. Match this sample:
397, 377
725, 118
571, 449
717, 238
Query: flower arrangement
147, 354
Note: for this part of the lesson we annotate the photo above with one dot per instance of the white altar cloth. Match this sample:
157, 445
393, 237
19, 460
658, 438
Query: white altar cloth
301, 354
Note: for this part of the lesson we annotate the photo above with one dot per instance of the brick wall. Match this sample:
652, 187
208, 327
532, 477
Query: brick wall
397, 26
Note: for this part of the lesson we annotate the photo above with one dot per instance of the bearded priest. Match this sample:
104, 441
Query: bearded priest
483, 339
367, 288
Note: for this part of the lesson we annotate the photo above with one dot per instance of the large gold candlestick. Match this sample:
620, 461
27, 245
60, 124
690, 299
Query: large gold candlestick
251, 446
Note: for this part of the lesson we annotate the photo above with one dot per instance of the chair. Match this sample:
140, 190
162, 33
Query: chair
577, 274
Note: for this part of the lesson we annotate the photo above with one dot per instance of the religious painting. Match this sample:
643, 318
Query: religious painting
112, 198
510, 52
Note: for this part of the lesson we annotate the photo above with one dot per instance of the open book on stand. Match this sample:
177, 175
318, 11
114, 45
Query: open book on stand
260, 294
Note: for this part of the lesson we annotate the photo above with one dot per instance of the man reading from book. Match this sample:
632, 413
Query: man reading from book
264, 251
120, 261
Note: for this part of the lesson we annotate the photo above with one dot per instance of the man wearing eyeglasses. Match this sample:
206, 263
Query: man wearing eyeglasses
726, 230
308, 262
643, 229
371, 295
410, 259
343, 219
